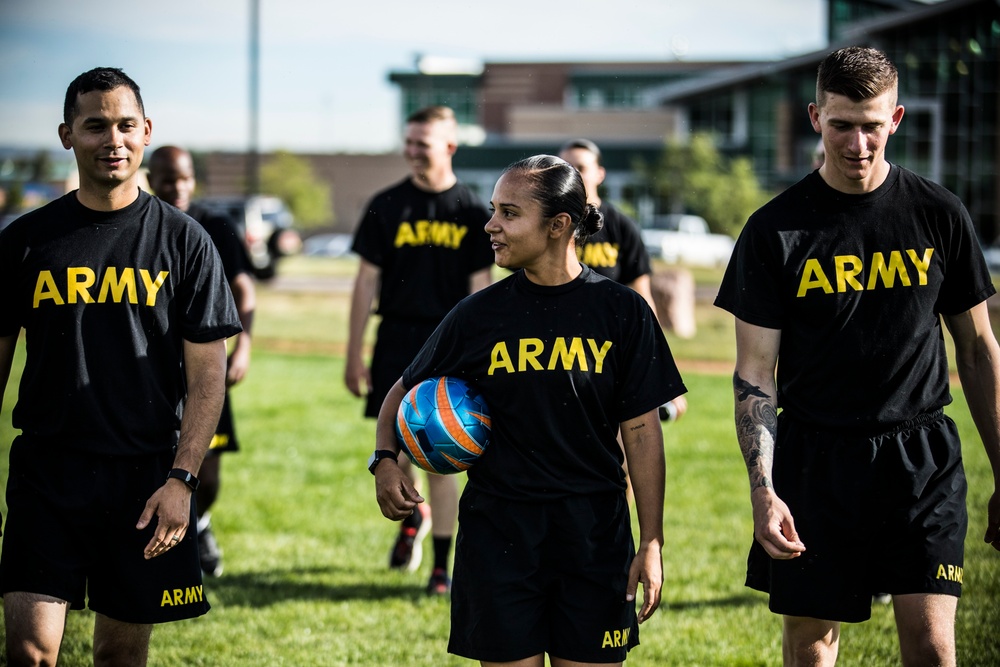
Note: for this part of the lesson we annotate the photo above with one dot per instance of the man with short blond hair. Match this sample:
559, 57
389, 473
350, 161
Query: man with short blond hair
422, 249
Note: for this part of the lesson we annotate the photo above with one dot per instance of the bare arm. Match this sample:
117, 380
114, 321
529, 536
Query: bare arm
756, 407
245, 296
978, 358
396, 495
205, 370
643, 285
362, 297
7, 345
642, 438
480, 279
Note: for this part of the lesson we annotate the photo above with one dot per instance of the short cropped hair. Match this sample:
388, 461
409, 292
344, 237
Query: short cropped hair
585, 144
99, 78
429, 114
856, 72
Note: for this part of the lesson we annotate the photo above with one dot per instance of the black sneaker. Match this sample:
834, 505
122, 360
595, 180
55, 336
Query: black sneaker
407, 552
209, 552
439, 583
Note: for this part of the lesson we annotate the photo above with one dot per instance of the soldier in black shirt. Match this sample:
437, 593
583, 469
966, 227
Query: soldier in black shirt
617, 250
171, 176
125, 312
565, 358
839, 286
422, 249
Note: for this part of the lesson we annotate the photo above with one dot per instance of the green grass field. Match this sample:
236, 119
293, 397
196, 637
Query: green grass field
306, 548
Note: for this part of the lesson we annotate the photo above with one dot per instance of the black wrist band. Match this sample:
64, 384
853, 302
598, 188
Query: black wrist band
184, 476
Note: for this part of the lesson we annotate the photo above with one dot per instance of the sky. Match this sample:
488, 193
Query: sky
324, 64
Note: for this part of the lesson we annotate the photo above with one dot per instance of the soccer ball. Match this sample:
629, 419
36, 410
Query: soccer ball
443, 425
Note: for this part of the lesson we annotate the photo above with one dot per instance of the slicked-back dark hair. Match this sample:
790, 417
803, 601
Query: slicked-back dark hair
557, 186
856, 72
99, 78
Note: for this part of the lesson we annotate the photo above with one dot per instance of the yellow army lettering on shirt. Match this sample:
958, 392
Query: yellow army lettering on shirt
564, 355
430, 232
848, 272
950, 573
615, 638
176, 597
81, 282
598, 255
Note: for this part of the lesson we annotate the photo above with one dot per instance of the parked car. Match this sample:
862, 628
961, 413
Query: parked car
266, 225
8, 218
685, 239
992, 255
11, 216
327, 245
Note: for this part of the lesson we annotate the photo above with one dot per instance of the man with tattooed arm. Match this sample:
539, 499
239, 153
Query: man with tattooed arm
857, 484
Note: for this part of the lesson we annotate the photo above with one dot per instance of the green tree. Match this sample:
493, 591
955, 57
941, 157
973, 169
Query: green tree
40, 167
292, 178
694, 177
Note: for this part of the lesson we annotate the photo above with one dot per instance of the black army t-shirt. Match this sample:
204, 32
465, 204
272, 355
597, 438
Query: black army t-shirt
426, 245
227, 239
560, 368
857, 285
616, 251
106, 301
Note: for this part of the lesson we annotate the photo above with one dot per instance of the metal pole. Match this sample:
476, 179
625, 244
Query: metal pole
253, 156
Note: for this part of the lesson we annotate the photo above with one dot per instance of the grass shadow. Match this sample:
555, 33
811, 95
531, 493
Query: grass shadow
274, 586
733, 601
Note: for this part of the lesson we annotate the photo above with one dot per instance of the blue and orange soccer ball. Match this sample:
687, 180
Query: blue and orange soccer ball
443, 425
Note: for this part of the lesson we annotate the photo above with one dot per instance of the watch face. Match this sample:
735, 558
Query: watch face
184, 476
377, 456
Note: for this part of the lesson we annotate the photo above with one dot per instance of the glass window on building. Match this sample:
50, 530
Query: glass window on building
463, 102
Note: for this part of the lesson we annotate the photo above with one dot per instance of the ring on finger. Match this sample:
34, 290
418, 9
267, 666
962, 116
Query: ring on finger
175, 538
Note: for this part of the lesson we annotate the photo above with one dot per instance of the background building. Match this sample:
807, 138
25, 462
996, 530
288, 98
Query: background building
948, 53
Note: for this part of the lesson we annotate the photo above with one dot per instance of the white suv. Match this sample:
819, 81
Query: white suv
685, 239
266, 225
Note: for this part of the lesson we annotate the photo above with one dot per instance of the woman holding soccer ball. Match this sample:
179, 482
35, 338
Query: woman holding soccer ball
545, 562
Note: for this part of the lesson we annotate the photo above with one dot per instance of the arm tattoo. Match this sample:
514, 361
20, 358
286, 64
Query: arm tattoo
756, 430
745, 390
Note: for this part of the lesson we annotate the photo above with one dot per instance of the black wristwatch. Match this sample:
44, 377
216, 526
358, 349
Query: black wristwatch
184, 476
377, 457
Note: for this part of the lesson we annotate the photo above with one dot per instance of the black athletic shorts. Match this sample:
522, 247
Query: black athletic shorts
543, 577
882, 514
70, 533
396, 345
225, 439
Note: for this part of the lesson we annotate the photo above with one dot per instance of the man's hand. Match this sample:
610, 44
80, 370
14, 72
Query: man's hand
237, 365
993, 518
366, 285
357, 377
647, 568
396, 495
773, 525
171, 505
